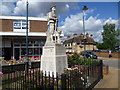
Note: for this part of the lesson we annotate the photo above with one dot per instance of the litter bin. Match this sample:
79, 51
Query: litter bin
105, 69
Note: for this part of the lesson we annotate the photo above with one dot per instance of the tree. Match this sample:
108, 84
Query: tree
110, 36
101, 46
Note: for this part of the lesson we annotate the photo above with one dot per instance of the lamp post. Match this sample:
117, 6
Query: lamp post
84, 9
27, 61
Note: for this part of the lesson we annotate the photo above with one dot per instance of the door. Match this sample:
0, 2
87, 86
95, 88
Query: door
7, 53
17, 53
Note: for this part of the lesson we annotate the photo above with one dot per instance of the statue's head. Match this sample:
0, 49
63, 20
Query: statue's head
53, 8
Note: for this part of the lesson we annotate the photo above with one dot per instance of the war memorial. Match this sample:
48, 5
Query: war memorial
54, 57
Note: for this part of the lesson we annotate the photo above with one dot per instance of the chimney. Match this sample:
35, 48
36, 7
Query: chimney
81, 35
87, 35
75, 35
91, 36
68, 37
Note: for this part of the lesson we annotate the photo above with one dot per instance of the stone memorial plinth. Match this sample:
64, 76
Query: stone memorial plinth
54, 59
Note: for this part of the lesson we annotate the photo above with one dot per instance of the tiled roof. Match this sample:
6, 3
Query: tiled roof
79, 39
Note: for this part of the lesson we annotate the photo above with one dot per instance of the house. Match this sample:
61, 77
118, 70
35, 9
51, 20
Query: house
77, 43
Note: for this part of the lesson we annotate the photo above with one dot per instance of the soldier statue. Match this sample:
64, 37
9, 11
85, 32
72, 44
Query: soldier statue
52, 26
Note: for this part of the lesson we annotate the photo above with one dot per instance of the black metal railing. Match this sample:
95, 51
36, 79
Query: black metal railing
84, 77
18, 67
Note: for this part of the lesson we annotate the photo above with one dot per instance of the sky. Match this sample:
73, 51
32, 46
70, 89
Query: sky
69, 14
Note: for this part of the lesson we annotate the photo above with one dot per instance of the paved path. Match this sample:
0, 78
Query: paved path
112, 63
107, 58
110, 80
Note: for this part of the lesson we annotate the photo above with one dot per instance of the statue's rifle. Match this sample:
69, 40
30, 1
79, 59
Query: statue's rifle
56, 24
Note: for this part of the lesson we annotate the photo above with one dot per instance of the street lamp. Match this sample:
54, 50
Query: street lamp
84, 9
27, 61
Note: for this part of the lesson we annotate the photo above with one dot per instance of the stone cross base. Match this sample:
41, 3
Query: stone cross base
54, 59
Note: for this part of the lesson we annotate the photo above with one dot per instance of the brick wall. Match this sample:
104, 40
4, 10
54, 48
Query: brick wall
7, 25
38, 26
106, 54
35, 26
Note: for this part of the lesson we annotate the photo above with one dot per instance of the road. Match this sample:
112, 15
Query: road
112, 63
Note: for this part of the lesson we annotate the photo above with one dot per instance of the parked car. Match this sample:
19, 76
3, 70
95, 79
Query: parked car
115, 50
90, 55
96, 50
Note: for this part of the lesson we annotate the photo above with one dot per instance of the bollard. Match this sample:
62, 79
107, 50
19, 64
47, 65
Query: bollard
105, 69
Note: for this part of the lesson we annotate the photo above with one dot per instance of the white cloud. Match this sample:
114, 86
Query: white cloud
72, 24
36, 8
7, 8
112, 21
41, 8
93, 25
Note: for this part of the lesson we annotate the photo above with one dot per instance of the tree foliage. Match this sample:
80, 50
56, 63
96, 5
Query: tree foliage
110, 37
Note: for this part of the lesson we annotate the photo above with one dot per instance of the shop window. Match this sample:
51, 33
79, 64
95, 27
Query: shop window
36, 43
42, 43
40, 51
31, 51
36, 51
23, 43
30, 43
23, 51
17, 43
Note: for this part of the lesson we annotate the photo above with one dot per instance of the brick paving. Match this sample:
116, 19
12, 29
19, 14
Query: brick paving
110, 80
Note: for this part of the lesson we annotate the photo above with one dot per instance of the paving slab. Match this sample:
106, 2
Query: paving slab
107, 58
110, 81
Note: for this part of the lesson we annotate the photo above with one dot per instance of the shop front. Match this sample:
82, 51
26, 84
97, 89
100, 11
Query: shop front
17, 48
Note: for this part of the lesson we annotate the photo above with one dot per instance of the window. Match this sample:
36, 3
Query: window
42, 43
17, 24
40, 51
74, 43
70, 50
23, 43
66, 50
36, 51
30, 43
23, 51
24, 25
30, 51
20, 25
36, 43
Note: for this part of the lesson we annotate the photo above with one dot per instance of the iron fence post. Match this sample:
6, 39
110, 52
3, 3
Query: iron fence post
101, 69
63, 80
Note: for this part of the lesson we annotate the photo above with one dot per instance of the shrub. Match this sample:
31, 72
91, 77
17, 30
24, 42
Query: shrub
77, 59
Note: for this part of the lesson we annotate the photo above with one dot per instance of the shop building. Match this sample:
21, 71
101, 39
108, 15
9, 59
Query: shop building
13, 34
